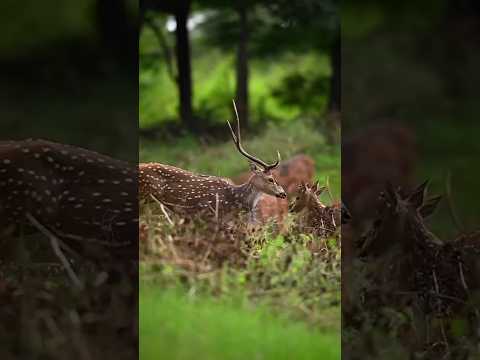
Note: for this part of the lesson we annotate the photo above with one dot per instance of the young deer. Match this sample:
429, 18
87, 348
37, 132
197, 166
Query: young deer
320, 219
81, 197
191, 194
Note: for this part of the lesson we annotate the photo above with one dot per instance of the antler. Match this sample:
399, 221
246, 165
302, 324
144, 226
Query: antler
238, 144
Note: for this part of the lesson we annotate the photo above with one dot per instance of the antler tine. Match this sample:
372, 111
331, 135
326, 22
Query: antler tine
238, 143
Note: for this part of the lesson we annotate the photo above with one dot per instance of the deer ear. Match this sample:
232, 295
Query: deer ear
417, 196
320, 190
429, 207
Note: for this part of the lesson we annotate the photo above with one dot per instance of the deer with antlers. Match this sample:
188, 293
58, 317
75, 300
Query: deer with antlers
194, 194
289, 174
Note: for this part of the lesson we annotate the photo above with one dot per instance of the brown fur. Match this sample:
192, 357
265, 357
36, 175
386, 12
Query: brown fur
192, 194
370, 159
289, 174
314, 216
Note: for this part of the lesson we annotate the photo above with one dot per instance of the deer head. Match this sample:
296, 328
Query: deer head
264, 181
262, 178
400, 220
307, 196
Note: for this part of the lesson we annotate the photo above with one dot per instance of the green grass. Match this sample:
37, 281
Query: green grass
174, 327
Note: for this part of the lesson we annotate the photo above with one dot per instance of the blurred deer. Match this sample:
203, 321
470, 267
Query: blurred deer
370, 159
82, 201
76, 193
192, 194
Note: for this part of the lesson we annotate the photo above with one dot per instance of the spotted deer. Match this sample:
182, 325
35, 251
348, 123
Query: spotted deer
316, 217
192, 194
289, 173
85, 199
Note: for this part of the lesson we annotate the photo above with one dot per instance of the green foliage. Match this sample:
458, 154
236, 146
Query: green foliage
272, 94
31, 25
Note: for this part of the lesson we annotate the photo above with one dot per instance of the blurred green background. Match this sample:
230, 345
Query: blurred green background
281, 53
69, 73
416, 63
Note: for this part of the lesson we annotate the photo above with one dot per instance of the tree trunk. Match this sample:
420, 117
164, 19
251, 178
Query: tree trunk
242, 68
182, 50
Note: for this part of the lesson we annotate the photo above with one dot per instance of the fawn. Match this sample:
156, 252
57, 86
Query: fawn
320, 219
193, 194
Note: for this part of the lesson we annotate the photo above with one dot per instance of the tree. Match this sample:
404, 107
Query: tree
242, 65
180, 9
279, 26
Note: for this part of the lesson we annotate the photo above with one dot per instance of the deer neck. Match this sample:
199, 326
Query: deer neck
247, 195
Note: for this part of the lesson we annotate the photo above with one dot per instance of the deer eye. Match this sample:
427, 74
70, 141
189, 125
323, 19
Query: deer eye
270, 180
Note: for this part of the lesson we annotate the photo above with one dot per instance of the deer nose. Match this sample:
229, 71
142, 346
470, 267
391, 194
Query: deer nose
282, 195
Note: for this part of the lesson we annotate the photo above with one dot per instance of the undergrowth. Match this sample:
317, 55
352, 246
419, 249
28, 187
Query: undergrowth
253, 292
293, 278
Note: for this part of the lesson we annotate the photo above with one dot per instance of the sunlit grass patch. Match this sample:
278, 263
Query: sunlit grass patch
173, 326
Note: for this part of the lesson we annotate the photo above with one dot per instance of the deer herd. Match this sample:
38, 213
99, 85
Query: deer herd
262, 193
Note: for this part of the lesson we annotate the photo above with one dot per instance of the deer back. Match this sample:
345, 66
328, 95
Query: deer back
185, 191
78, 194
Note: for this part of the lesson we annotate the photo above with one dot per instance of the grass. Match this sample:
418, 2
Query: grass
178, 328
267, 297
